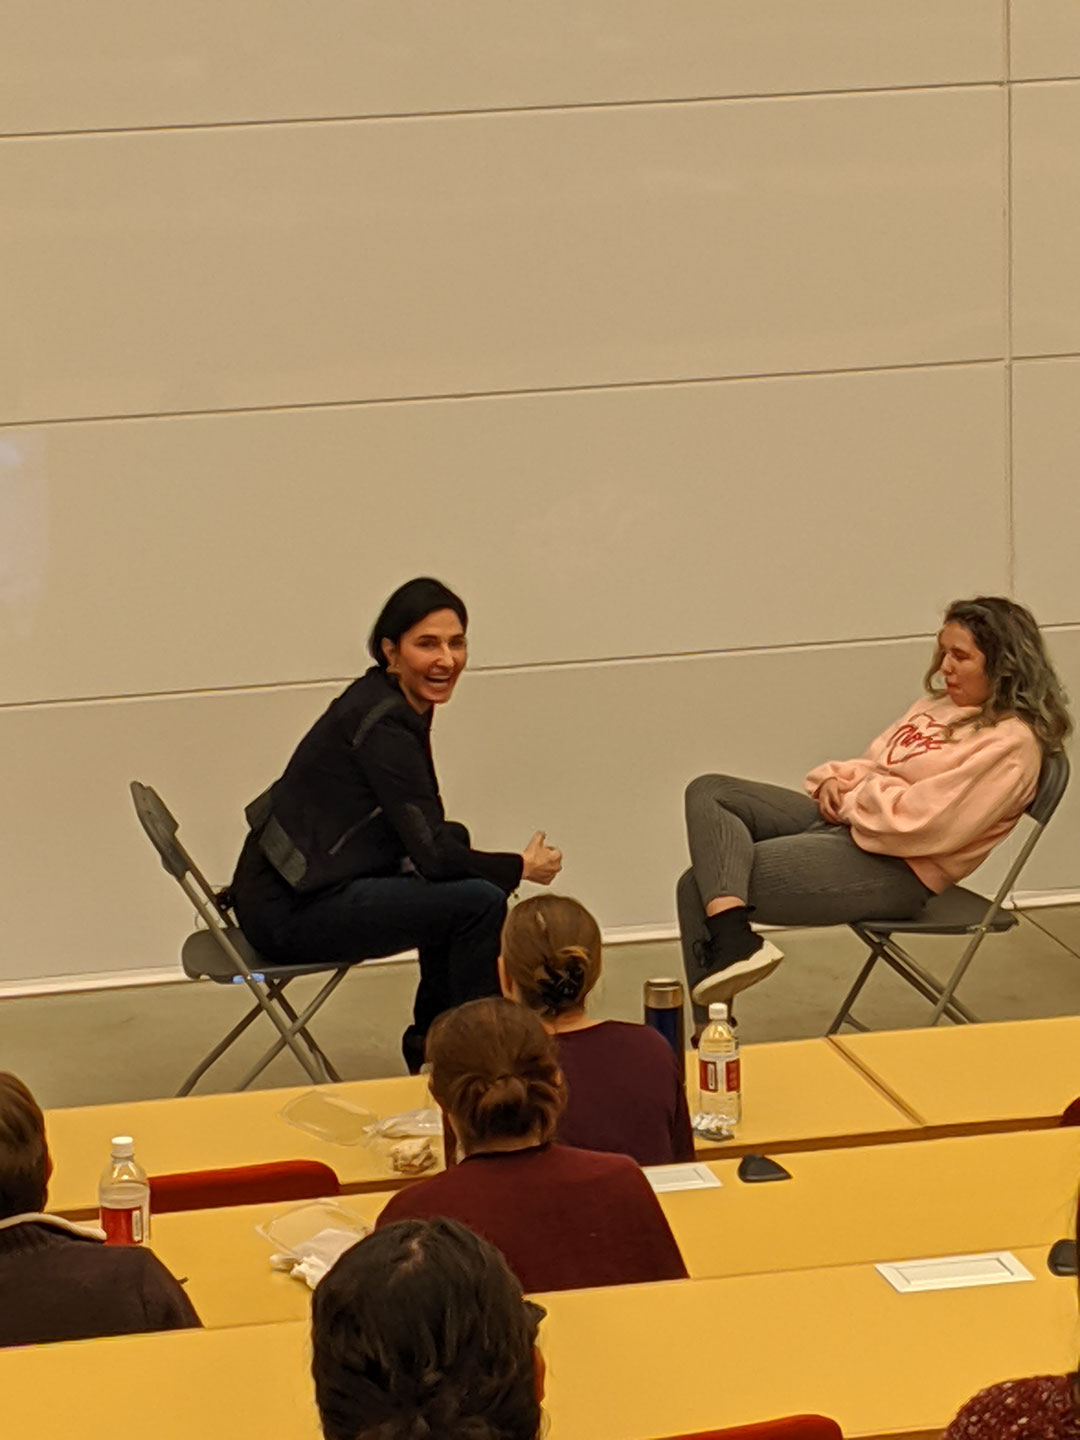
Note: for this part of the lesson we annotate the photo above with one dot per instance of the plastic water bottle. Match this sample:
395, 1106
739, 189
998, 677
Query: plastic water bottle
124, 1196
719, 1078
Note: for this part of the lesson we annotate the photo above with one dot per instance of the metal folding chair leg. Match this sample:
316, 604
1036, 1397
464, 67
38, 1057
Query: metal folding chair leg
315, 1066
842, 1015
957, 975
305, 1034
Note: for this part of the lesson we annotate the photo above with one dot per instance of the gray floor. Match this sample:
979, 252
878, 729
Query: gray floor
112, 1045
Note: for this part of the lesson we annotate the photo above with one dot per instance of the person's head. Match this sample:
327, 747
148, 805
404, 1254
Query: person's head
420, 1332
990, 655
549, 955
24, 1156
495, 1072
420, 638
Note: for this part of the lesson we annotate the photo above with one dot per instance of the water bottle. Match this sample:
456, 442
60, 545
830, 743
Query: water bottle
124, 1196
719, 1076
664, 1012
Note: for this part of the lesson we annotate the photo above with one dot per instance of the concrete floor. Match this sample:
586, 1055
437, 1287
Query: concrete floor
108, 1045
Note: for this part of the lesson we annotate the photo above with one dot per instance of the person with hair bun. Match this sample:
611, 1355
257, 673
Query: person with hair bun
350, 855
625, 1089
874, 837
565, 1219
420, 1332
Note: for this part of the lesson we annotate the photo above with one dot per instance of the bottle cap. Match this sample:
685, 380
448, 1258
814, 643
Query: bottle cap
718, 1010
664, 994
123, 1147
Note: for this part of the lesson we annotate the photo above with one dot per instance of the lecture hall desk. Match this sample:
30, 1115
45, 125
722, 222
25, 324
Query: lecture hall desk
966, 1078
841, 1207
799, 1094
623, 1364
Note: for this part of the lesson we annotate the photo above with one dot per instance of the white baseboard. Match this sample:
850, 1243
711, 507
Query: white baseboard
615, 935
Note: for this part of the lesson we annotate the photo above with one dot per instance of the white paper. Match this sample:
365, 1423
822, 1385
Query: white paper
695, 1176
955, 1272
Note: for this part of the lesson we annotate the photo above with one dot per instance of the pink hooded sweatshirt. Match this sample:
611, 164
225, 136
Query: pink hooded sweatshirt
940, 801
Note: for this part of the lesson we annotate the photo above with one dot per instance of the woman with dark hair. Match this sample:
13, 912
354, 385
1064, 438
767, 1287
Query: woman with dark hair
1044, 1407
350, 855
625, 1089
874, 837
565, 1219
420, 1331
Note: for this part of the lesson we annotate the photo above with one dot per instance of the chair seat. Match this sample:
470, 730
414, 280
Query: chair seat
955, 911
203, 959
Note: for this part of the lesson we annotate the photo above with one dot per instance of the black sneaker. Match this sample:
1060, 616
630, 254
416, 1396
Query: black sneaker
725, 983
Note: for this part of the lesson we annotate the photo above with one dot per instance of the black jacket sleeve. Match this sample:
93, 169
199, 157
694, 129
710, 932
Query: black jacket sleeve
398, 769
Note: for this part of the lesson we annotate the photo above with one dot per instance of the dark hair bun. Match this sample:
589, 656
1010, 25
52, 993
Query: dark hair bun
561, 985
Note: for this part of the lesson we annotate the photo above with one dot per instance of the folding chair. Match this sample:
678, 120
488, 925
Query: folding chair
793, 1427
242, 1185
955, 911
222, 954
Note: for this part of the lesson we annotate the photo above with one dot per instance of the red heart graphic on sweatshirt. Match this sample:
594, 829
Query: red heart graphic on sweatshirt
908, 740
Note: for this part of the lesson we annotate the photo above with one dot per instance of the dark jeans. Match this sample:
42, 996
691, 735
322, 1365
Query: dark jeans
455, 925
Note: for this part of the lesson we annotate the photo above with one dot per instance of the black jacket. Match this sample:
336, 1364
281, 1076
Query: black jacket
359, 797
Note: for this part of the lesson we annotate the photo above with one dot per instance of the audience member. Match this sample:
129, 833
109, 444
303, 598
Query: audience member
350, 855
1045, 1407
563, 1218
420, 1332
57, 1281
875, 837
625, 1090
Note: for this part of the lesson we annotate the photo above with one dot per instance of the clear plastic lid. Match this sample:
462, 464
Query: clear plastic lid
123, 1147
718, 1010
330, 1118
293, 1231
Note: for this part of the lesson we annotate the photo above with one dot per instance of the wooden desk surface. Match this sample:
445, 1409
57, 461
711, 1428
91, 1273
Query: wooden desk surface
967, 1076
803, 1094
841, 1207
623, 1364
797, 1095
204, 1131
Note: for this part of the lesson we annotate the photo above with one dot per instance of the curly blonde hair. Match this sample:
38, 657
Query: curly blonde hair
1022, 679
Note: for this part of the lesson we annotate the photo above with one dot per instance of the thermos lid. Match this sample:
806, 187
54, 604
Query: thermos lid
664, 994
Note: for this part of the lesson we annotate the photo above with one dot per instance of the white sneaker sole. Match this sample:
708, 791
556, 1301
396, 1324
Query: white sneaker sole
726, 983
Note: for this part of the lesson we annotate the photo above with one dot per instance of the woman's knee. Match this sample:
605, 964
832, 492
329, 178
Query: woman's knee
705, 790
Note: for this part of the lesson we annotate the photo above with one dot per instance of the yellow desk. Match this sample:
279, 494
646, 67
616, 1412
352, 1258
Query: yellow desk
204, 1131
841, 1207
625, 1364
798, 1095
804, 1095
975, 1077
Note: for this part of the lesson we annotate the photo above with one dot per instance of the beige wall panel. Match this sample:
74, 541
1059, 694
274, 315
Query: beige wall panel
1046, 218
1044, 39
69, 65
598, 756
271, 265
1046, 487
207, 551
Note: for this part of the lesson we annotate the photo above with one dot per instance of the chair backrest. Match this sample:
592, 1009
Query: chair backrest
242, 1185
1053, 779
161, 826
793, 1427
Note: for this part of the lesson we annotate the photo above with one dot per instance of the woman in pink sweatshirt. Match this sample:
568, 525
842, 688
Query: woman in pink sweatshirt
874, 837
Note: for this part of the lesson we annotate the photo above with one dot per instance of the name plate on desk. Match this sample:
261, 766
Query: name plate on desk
695, 1176
954, 1272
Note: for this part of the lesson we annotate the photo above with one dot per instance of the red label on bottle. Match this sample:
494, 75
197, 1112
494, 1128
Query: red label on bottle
122, 1227
708, 1078
732, 1075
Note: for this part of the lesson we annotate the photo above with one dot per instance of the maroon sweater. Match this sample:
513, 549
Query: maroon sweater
564, 1219
1041, 1408
56, 1284
626, 1094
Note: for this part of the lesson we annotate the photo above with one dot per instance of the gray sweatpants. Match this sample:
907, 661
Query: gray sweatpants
770, 847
